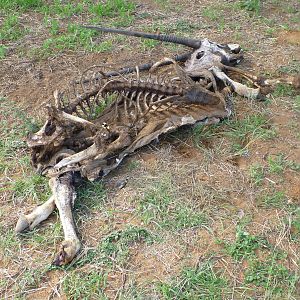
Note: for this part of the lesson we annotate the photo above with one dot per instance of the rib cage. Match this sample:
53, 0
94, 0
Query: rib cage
101, 119
131, 98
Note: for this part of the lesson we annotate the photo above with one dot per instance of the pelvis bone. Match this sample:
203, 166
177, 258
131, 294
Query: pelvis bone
106, 116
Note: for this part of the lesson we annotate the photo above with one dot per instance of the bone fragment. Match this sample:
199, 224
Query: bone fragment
75, 158
239, 88
76, 119
64, 194
38, 215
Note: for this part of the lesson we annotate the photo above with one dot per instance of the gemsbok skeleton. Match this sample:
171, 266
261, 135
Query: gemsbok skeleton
105, 116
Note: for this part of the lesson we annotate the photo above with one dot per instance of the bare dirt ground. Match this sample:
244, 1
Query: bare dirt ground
207, 213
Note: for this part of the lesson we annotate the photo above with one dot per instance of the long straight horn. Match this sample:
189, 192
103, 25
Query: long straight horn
160, 37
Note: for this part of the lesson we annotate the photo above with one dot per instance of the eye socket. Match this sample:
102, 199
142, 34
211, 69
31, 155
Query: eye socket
50, 128
199, 54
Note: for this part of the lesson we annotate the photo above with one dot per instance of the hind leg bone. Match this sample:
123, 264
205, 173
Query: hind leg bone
64, 195
38, 215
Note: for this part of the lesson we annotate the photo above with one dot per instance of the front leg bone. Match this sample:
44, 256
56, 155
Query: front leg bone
64, 194
38, 215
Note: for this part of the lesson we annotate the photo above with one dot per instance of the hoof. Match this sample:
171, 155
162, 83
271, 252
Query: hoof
22, 224
67, 252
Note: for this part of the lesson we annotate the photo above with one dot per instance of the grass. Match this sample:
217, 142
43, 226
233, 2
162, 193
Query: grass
244, 246
276, 164
87, 285
34, 187
112, 8
257, 174
11, 29
162, 208
211, 13
242, 133
275, 199
293, 68
12, 135
67, 9
114, 250
75, 37
198, 283
296, 104
115, 247
295, 225
283, 90
246, 131
20, 4
272, 276
65, 34
8, 241
92, 196
253, 6
3, 51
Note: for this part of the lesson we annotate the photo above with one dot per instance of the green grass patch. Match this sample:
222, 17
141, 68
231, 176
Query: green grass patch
257, 174
15, 124
116, 246
85, 285
62, 9
211, 12
149, 44
244, 246
97, 111
275, 199
31, 278
278, 163
113, 8
20, 5
252, 6
284, 90
3, 51
74, 39
198, 283
55, 13
34, 187
14, 120
8, 241
90, 195
11, 29
42, 237
296, 104
272, 276
160, 207
292, 67
202, 133
295, 225
244, 132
